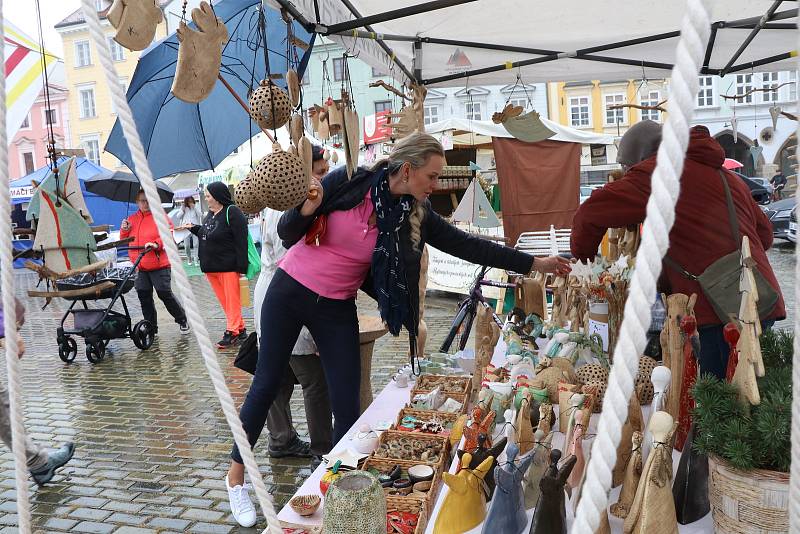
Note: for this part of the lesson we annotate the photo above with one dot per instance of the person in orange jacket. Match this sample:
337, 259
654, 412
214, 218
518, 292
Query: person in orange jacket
154, 269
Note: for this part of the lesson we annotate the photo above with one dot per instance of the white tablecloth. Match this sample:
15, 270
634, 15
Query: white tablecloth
387, 405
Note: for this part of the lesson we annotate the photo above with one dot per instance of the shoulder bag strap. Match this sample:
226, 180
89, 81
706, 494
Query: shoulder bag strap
732, 220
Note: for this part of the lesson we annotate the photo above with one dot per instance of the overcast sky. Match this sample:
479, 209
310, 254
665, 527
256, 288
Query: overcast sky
22, 13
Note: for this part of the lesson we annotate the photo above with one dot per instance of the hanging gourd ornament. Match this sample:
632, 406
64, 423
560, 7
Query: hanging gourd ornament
247, 197
269, 106
326, 155
280, 180
334, 157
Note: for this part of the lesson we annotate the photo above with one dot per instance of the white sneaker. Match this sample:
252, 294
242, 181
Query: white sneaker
241, 506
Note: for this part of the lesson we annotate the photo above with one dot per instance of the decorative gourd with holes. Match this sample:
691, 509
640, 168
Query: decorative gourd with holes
278, 182
270, 107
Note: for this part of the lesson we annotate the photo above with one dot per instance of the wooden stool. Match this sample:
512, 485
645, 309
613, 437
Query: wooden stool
369, 329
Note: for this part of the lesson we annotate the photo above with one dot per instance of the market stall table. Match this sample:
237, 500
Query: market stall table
384, 409
369, 330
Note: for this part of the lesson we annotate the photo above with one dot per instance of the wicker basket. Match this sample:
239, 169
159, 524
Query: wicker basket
747, 502
447, 419
412, 506
384, 465
442, 443
461, 396
450, 384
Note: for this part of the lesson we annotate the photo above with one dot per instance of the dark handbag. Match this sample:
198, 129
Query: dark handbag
720, 280
317, 230
247, 357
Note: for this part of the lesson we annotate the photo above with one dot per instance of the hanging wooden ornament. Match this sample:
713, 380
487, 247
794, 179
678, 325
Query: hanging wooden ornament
734, 129
352, 133
334, 115
334, 157
280, 179
247, 197
296, 129
293, 86
775, 113
199, 55
135, 22
306, 155
269, 106
755, 153
326, 154
323, 128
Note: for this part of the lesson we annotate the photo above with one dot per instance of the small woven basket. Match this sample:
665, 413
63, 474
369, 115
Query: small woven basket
385, 465
747, 502
449, 384
398, 452
411, 506
447, 419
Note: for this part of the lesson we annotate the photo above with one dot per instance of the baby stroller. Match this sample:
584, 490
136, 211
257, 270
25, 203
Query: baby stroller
97, 326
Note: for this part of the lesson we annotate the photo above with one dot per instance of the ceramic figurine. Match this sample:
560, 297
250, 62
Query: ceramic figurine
135, 22
547, 417
575, 448
633, 470
541, 460
548, 376
464, 506
690, 489
634, 423
355, 503
506, 511
476, 427
678, 306
661, 378
653, 508
524, 425
575, 404
199, 55
550, 516
480, 453
365, 440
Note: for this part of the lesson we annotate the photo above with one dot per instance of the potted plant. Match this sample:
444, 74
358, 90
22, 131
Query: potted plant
749, 447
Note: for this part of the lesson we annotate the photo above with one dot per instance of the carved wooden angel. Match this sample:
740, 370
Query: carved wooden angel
678, 306
199, 55
633, 471
135, 21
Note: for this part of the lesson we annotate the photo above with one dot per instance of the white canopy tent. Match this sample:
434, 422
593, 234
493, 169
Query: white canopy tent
457, 42
487, 129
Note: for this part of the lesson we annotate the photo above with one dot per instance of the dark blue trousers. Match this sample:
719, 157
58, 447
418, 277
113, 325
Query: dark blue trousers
714, 349
288, 306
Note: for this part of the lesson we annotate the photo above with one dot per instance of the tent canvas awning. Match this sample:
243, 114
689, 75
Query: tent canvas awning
487, 129
496, 40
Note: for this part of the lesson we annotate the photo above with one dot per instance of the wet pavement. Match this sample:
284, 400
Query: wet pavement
152, 443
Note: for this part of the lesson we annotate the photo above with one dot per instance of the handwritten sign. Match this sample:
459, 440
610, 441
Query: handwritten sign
448, 273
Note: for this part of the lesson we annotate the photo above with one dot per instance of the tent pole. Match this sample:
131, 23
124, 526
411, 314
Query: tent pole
766, 18
496, 68
752, 22
296, 15
417, 65
623, 61
759, 62
710, 45
425, 7
629, 42
380, 42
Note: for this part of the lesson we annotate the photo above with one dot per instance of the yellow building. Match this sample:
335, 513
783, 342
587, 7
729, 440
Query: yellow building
90, 109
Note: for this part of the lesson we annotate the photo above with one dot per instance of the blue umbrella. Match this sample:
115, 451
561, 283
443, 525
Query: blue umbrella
183, 137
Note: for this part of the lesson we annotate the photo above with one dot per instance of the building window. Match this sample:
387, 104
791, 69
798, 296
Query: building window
652, 98
117, 51
791, 90
521, 102
744, 84
431, 114
615, 116
769, 80
340, 70
473, 111
377, 73
705, 96
83, 54
579, 111
50, 117
91, 145
383, 105
86, 99
26, 122
27, 162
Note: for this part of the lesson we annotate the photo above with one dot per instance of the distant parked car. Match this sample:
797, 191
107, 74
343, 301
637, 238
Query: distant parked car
760, 194
791, 235
779, 214
763, 182
586, 191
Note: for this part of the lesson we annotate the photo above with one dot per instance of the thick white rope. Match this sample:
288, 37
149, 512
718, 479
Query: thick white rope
185, 292
794, 474
665, 187
7, 285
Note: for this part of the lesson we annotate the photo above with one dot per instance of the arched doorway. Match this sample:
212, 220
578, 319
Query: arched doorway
740, 151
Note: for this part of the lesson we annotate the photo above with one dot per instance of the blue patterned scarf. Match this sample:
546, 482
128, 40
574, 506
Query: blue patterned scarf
388, 269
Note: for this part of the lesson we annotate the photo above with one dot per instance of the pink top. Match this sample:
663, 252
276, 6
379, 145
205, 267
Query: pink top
338, 266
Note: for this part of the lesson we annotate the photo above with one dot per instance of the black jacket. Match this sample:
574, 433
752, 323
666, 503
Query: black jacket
223, 241
339, 193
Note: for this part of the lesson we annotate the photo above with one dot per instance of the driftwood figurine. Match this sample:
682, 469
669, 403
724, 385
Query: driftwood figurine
524, 426
541, 460
550, 516
633, 471
135, 21
531, 295
750, 364
507, 511
575, 448
634, 423
199, 55
487, 333
559, 287
464, 506
678, 306
653, 510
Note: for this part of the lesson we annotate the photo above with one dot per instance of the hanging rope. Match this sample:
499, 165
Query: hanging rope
665, 187
185, 291
7, 284
794, 478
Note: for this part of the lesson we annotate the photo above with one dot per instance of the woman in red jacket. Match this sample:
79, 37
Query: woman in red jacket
154, 269
701, 234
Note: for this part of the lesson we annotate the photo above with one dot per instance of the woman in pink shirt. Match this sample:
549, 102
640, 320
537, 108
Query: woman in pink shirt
376, 225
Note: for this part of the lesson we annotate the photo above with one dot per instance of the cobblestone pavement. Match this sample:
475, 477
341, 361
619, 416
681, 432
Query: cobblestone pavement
152, 442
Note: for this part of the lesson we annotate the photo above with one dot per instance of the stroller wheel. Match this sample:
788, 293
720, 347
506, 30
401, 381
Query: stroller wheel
95, 351
143, 334
67, 349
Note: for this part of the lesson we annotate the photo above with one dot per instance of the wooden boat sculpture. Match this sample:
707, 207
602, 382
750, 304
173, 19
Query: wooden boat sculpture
65, 186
